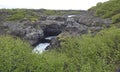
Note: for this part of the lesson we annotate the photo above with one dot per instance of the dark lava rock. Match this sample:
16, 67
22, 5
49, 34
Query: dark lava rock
57, 18
25, 31
118, 70
74, 27
90, 20
51, 27
35, 32
55, 43
43, 17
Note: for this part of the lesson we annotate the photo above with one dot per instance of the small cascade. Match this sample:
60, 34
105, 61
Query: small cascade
41, 46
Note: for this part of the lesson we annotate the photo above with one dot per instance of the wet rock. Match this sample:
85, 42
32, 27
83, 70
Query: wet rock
55, 43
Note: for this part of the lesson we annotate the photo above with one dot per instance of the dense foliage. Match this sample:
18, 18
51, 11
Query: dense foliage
100, 53
109, 9
15, 55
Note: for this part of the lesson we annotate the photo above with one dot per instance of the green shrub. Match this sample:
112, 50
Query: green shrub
116, 18
16, 16
15, 55
94, 54
109, 9
49, 12
33, 19
85, 53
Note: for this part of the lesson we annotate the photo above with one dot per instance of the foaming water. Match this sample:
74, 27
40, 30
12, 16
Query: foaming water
41, 47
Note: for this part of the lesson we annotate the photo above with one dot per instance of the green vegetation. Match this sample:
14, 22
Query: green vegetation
18, 14
100, 53
116, 18
31, 14
60, 12
109, 9
85, 53
49, 12
15, 55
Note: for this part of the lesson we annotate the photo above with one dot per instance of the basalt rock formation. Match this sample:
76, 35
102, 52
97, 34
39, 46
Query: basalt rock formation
52, 25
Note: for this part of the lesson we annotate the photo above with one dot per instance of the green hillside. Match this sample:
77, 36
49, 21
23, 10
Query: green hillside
109, 9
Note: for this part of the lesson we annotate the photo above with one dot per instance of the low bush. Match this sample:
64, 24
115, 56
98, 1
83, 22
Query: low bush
100, 53
116, 18
15, 55
85, 53
109, 9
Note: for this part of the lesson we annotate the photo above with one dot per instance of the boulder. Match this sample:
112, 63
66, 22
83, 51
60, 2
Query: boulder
55, 43
75, 28
90, 20
33, 35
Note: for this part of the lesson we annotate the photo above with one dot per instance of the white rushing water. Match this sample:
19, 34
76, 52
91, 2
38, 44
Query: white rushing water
71, 16
50, 37
41, 47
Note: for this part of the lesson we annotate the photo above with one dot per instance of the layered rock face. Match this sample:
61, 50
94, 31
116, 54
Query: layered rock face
35, 32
